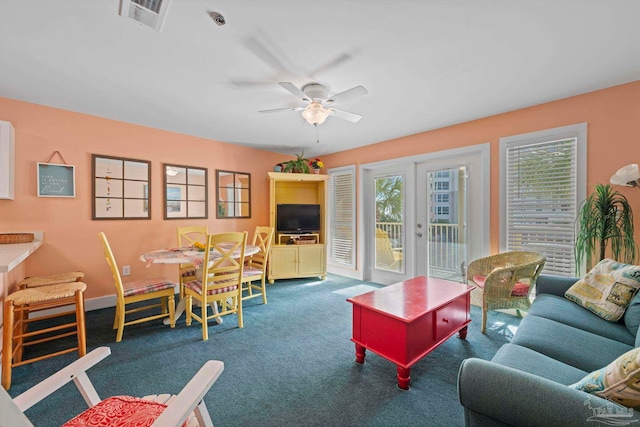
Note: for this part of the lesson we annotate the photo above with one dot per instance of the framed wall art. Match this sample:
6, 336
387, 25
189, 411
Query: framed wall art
56, 180
121, 188
185, 192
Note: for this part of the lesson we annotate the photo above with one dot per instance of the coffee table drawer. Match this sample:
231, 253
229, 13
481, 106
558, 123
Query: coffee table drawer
450, 317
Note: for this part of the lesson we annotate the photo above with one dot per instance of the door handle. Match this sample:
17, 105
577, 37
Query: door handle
419, 234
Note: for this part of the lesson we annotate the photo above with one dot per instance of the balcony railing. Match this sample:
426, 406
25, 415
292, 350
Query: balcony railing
446, 251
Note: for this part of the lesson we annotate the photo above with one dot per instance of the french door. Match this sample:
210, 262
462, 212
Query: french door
449, 233
389, 208
427, 216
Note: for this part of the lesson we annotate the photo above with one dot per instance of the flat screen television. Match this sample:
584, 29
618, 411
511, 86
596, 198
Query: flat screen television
297, 218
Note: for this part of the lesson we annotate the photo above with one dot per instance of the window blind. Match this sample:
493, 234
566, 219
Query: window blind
342, 205
541, 201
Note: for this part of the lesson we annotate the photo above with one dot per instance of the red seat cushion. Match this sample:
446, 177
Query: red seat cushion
120, 411
519, 289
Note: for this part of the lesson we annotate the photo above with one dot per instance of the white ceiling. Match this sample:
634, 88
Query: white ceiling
427, 64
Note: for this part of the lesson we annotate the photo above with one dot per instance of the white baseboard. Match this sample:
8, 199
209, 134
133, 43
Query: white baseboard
346, 272
99, 303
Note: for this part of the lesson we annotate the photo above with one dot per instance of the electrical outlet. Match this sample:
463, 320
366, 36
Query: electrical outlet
126, 270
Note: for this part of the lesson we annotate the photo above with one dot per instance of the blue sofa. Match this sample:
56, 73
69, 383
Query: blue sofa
557, 344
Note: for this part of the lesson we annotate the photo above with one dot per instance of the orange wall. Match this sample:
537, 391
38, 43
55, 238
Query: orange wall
613, 139
70, 235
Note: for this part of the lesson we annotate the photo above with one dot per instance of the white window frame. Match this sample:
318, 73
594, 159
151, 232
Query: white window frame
336, 267
577, 131
442, 198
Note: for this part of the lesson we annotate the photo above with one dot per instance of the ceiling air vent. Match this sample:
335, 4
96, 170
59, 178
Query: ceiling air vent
148, 13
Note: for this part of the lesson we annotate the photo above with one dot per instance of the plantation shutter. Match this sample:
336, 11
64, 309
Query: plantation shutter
342, 204
542, 201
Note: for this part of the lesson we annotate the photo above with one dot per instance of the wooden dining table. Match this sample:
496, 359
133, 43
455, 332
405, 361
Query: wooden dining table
188, 255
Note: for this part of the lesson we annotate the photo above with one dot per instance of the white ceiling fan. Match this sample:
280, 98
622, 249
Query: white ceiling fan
319, 105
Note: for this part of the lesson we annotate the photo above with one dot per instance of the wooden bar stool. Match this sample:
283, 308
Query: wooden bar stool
16, 334
51, 279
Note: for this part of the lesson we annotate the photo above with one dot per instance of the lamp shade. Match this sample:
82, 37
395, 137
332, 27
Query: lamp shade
627, 176
315, 113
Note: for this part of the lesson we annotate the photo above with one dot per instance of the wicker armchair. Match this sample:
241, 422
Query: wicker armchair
506, 280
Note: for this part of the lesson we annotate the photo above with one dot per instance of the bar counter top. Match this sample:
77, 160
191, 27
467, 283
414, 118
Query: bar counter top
12, 254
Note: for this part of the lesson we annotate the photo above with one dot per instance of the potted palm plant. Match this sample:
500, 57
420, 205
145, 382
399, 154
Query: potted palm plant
604, 219
299, 165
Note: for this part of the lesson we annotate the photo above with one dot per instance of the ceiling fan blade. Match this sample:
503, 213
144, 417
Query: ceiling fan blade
293, 89
352, 93
278, 110
345, 115
266, 55
335, 62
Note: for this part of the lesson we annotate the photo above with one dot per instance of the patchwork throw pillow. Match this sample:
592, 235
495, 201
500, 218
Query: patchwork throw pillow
607, 289
618, 382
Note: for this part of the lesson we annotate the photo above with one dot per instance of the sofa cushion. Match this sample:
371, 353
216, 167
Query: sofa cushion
632, 315
527, 360
607, 289
619, 381
581, 349
564, 311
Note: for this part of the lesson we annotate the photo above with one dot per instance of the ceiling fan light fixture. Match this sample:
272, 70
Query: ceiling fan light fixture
315, 113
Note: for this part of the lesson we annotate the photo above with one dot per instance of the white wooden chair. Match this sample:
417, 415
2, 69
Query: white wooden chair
187, 406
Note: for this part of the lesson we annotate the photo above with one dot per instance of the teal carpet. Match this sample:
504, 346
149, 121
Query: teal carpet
291, 365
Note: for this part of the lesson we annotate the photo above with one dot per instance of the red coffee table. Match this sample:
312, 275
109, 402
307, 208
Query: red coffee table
406, 321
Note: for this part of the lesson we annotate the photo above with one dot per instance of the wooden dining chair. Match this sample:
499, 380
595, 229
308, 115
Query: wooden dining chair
163, 410
256, 268
187, 236
221, 282
157, 292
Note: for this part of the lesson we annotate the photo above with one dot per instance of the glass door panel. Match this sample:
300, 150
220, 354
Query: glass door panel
447, 224
389, 244
389, 221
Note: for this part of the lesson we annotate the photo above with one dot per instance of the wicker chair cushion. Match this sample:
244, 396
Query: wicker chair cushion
607, 289
145, 286
519, 289
120, 411
196, 286
618, 381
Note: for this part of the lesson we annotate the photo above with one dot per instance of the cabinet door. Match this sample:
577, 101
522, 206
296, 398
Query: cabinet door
311, 259
7, 161
283, 261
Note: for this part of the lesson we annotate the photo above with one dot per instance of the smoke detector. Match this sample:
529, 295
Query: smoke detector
148, 13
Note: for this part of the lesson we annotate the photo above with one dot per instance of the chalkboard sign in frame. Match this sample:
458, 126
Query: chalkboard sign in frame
56, 180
